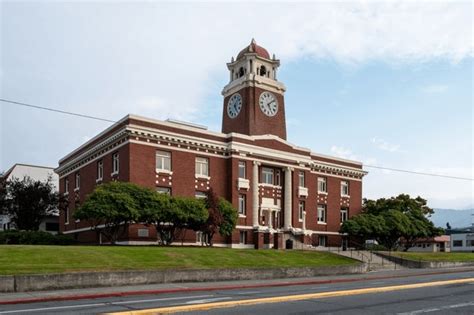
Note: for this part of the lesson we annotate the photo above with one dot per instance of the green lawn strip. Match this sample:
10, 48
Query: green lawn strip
26, 259
451, 257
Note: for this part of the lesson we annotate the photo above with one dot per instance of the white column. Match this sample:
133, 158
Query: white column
304, 220
270, 221
255, 194
288, 191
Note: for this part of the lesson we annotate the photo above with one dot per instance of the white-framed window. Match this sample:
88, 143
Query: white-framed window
66, 215
301, 207
200, 195
242, 237
322, 213
267, 175
115, 163
344, 188
322, 239
78, 181
242, 169
202, 166
100, 170
242, 204
457, 243
66, 185
163, 161
163, 190
344, 214
322, 185
301, 180
143, 233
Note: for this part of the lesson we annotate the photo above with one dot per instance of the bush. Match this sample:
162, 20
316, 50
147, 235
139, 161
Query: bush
15, 237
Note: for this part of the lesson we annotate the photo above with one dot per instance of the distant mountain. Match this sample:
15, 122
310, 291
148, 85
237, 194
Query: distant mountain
456, 218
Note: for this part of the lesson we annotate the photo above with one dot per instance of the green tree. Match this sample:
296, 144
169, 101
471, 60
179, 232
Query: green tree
113, 205
222, 217
27, 202
393, 221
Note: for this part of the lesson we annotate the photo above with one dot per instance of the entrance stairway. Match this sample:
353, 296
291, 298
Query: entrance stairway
374, 261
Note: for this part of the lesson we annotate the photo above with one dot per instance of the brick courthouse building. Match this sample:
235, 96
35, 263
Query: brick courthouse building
281, 191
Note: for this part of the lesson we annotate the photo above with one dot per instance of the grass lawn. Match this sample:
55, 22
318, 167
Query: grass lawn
453, 257
28, 259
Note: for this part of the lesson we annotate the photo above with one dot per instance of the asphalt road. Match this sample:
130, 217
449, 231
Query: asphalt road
453, 298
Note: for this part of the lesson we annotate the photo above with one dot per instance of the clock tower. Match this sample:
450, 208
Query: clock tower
253, 99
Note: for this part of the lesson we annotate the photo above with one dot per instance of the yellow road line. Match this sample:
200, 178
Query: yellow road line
278, 299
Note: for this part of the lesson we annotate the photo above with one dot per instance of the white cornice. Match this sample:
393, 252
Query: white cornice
223, 146
253, 80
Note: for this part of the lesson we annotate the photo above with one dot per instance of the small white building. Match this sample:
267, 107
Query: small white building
35, 172
433, 244
462, 240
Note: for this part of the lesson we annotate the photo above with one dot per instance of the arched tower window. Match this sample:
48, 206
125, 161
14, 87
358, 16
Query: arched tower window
241, 72
263, 71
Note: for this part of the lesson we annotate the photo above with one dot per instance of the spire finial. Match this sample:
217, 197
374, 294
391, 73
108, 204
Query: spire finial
253, 42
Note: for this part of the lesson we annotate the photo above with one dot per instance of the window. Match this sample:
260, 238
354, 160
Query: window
78, 181
322, 239
163, 161
267, 175
277, 178
50, 226
115, 163
66, 185
242, 204
143, 233
344, 188
321, 213
301, 207
242, 237
202, 166
241, 169
471, 243
344, 214
301, 179
200, 195
163, 190
322, 185
457, 243
66, 215
100, 170
263, 71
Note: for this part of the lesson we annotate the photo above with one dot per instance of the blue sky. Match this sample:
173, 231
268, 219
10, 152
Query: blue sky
387, 83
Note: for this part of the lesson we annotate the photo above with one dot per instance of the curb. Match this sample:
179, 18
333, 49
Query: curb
214, 288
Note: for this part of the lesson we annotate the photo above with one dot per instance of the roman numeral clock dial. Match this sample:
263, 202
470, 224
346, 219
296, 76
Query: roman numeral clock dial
234, 105
268, 104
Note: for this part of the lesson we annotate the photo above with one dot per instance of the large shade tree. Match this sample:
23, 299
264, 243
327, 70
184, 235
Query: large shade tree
395, 221
27, 201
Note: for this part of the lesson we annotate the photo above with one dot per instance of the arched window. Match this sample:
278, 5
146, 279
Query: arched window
263, 71
241, 72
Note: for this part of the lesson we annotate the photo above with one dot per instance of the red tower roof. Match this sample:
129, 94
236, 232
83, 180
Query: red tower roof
254, 48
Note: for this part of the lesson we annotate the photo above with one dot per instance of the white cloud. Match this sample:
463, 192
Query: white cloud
346, 153
384, 145
435, 88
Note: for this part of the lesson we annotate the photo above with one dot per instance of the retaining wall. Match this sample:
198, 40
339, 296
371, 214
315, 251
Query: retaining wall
23, 283
423, 264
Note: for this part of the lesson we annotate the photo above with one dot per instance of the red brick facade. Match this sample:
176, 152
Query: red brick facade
252, 139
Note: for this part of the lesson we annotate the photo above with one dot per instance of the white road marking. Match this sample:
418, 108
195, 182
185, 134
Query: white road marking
208, 300
103, 304
437, 309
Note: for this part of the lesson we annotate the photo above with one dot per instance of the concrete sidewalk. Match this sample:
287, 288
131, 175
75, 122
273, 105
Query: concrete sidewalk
91, 293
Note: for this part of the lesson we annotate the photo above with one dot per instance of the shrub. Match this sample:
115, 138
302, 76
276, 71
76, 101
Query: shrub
15, 237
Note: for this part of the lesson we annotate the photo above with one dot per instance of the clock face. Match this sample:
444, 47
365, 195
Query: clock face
268, 104
234, 105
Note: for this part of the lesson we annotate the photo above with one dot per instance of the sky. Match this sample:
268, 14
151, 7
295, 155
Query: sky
388, 83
